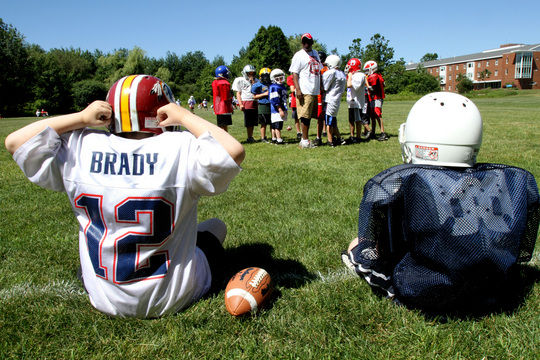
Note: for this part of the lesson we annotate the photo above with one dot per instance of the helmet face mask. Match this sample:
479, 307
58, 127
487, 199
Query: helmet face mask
371, 67
247, 70
442, 129
135, 100
277, 76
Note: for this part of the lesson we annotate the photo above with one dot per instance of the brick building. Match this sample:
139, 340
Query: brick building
511, 65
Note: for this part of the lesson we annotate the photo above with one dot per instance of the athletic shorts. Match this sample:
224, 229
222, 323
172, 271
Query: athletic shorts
278, 125
294, 114
307, 108
264, 119
250, 117
376, 107
330, 121
224, 120
354, 115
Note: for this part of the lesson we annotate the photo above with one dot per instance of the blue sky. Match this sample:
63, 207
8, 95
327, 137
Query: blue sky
413, 28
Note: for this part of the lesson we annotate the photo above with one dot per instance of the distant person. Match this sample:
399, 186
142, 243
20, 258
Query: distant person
246, 100
376, 95
222, 97
294, 114
205, 104
260, 92
334, 83
191, 103
306, 70
356, 90
442, 233
134, 191
321, 104
38, 113
278, 103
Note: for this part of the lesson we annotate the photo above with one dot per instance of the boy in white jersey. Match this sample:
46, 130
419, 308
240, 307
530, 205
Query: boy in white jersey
334, 82
135, 194
356, 89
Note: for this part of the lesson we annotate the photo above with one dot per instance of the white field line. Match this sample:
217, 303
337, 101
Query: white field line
69, 289
62, 289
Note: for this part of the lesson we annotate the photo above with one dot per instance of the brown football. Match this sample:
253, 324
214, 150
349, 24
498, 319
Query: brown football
247, 290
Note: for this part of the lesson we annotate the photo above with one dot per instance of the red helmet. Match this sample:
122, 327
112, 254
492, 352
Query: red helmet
135, 100
353, 65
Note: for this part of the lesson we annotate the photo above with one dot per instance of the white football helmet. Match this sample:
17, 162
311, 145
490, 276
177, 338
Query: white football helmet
248, 69
371, 67
443, 129
333, 61
277, 76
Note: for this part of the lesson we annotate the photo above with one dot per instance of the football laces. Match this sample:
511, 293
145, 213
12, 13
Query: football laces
255, 282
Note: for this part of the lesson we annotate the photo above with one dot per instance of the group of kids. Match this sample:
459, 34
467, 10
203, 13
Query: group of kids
265, 101
437, 233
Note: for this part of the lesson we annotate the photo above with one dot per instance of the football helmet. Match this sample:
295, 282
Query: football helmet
264, 74
222, 71
135, 100
306, 38
371, 67
353, 65
442, 128
247, 69
277, 76
333, 61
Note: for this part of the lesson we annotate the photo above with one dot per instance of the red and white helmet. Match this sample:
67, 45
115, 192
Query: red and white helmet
370, 67
135, 100
353, 65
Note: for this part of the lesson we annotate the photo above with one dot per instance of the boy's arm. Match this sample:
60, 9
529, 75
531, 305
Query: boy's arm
97, 113
172, 114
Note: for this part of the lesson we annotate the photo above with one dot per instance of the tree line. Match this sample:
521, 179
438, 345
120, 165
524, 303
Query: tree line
66, 80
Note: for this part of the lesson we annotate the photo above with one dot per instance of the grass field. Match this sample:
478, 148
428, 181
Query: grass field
290, 211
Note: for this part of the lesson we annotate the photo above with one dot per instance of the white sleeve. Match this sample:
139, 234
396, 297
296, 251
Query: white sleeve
295, 64
42, 157
358, 80
236, 84
328, 78
211, 168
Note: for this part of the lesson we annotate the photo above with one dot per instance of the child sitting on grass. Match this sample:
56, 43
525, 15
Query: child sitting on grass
134, 191
441, 232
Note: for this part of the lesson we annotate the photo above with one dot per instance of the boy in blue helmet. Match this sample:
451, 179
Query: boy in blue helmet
221, 90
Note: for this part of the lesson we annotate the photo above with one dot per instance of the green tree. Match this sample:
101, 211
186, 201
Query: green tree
395, 78
86, 91
15, 71
484, 74
380, 51
429, 57
421, 82
464, 84
295, 44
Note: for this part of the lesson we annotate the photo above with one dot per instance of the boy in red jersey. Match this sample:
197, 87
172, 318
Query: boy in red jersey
221, 89
376, 97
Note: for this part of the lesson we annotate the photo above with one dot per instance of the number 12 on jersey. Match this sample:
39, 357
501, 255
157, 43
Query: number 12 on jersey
135, 258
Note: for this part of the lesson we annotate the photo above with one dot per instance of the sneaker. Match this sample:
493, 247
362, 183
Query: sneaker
250, 140
318, 142
342, 141
280, 142
264, 140
383, 137
334, 144
299, 136
368, 135
305, 144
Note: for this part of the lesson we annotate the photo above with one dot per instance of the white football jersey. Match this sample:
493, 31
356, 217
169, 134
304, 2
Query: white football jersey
356, 95
335, 83
240, 84
136, 204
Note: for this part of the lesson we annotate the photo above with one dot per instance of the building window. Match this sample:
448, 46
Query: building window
479, 65
523, 65
496, 62
507, 59
449, 77
496, 72
463, 66
487, 63
449, 87
478, 75
505, 71
457, 67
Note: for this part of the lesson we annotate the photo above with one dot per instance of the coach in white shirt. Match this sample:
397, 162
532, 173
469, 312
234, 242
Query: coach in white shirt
306, 71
